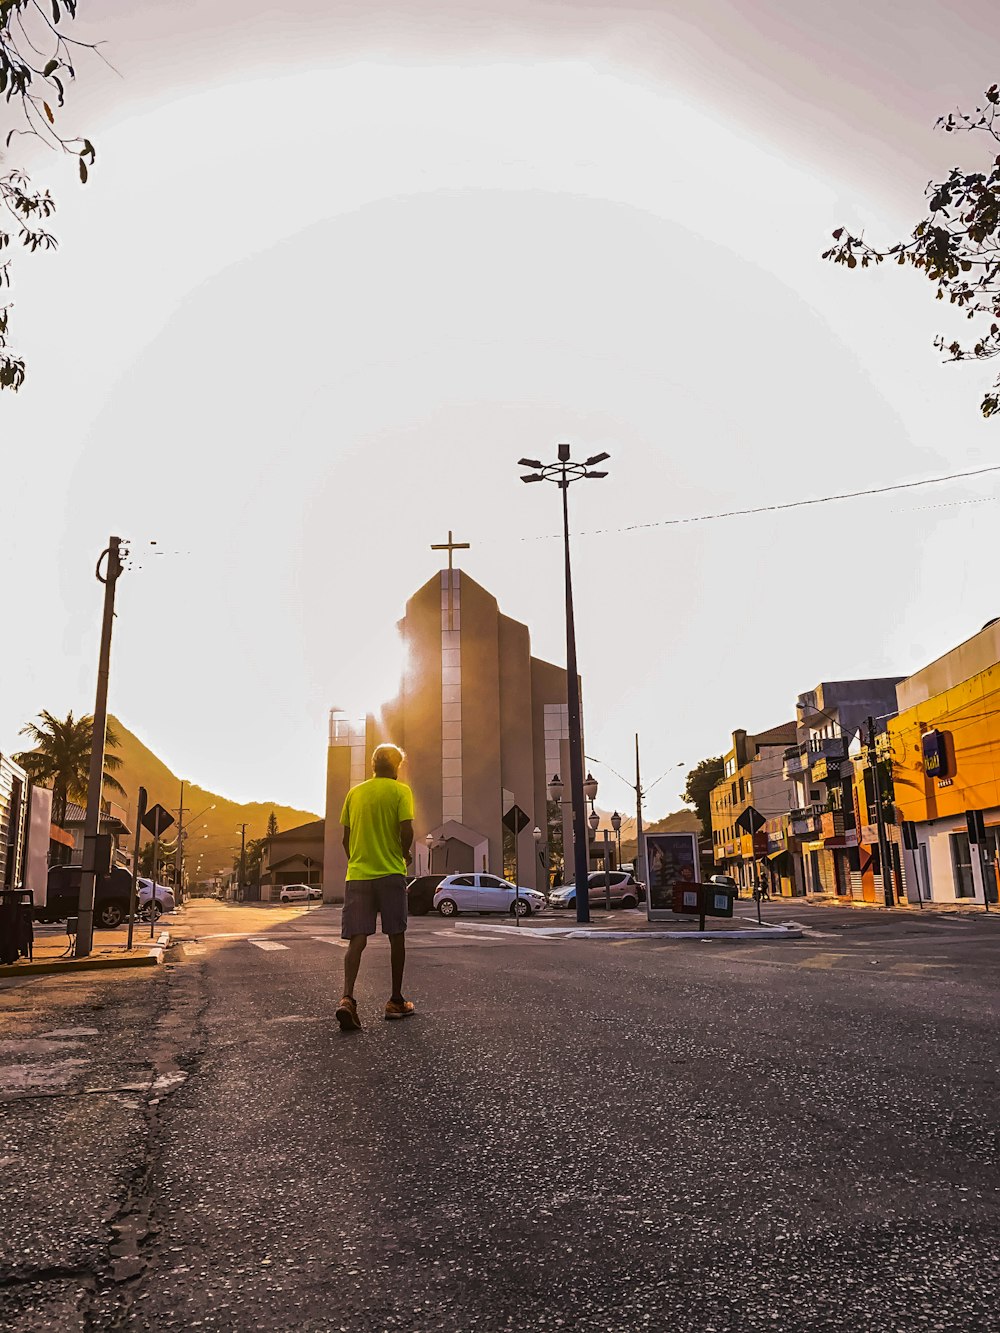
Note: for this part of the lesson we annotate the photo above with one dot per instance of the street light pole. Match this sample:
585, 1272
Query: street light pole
243, 862
95, 784
616, 824
562, 473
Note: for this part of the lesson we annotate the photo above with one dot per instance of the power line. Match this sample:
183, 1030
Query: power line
783, 505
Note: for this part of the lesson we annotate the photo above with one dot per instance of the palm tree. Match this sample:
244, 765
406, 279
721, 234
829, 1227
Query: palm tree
61, 759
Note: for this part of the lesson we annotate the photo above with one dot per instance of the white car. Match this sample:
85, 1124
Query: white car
485, 893
164, 895
299, 893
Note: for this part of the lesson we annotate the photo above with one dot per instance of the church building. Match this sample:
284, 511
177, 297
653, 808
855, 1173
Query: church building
484, 726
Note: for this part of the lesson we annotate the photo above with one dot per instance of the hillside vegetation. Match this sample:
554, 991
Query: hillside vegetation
216, 833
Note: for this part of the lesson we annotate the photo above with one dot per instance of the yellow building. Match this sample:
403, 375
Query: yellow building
945, 745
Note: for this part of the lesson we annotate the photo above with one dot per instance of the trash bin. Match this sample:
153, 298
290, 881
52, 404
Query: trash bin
17, 935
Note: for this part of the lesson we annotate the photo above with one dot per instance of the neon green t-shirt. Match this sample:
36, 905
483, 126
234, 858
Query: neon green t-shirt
373, 812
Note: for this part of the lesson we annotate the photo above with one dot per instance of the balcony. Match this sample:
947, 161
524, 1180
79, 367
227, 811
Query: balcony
806, 820
832, 747
796, 760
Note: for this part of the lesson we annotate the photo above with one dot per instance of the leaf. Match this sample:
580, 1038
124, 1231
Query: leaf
838, 233
50, 68
83, 171
48, 112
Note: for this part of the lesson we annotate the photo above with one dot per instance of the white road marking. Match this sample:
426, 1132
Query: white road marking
267, 944
194, 949
330, 939
466, 935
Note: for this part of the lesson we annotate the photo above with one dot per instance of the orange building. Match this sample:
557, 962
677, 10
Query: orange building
945, 746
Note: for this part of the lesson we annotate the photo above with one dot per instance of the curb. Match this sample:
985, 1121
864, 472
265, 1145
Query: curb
151, 958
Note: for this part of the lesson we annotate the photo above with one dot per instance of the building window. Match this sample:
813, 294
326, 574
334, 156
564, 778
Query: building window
961, 860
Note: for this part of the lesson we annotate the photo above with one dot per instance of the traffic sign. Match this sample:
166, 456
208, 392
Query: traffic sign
516, 820
157, 820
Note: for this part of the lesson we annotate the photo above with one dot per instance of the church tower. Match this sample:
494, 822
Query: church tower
484, 725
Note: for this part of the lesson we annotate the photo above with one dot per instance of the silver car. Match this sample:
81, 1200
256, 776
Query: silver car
624, 891
485, 893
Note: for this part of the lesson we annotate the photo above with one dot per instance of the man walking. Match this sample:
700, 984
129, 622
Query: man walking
378, 834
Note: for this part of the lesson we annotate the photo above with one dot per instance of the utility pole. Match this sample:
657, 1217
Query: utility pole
179, 858
883, 842
243, 863
640, 850
95, 784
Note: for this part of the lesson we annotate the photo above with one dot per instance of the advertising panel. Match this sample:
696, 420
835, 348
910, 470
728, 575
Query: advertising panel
671, 861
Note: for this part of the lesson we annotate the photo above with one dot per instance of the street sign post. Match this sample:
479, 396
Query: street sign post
157, 820
516, 821
140, 813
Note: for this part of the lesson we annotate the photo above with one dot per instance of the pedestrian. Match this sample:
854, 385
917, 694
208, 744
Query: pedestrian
378, 835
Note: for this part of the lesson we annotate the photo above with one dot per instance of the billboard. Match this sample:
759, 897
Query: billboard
671, 861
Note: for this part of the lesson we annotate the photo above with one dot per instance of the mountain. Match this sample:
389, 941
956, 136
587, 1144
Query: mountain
212, 835
681, 821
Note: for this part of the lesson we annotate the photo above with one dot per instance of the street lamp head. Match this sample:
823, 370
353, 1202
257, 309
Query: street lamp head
563, 453
597, 458
616, 822
533, 477
530, 462
429, 840
590, 787
556, 787
594, 819
594, 476
536, 833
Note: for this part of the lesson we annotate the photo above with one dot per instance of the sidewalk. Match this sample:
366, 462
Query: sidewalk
939, 909
50, 954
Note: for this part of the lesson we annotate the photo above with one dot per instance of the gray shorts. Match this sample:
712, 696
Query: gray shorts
366, 898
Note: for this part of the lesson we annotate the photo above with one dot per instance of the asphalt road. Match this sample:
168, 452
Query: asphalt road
594, 1135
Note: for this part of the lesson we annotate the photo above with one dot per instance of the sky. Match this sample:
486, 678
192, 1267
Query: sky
339, 266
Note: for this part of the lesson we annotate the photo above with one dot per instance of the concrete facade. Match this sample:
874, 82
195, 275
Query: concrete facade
481, 721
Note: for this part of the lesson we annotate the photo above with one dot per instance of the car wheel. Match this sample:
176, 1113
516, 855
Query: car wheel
520, 908
630, 902
110, 915
447, 907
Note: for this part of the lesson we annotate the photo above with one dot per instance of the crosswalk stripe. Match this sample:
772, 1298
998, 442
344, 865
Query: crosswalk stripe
330, 939
267, 944
467, 935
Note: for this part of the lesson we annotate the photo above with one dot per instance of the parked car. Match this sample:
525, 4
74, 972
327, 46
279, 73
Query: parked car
299, 893
420, 891
485, 893
625, 891
165, 901
112, 893
725, 882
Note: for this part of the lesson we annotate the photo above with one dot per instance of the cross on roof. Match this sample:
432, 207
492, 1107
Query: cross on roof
450, 545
